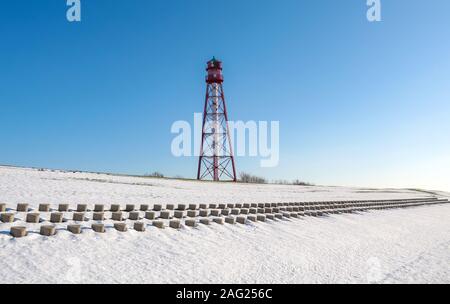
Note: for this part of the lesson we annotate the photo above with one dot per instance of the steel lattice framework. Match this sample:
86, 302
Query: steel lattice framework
216, 161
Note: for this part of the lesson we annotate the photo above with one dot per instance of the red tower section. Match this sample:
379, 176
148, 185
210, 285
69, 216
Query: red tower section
216, 160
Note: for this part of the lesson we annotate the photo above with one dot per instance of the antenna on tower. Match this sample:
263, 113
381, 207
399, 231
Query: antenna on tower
216, 161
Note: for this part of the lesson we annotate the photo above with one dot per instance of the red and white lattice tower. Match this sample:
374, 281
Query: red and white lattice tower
216, 160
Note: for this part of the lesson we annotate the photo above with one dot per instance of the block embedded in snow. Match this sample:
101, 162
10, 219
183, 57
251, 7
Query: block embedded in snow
78, 216
192, 213
261, 217
122, 227
286, 214
47, 230
235, 211
139, 226
129, 208
289, 209
179, 214
134, 216
267, 205
226, 211
7, 217
176, 224
170, 207
261, 210
204, 212
158, 224
203, 206
56, 217
212, 206
205, 221
165, 215
192, 207
231, 206
99, 208
63, 207
230, 220
18, 232
261, 205
157, 207
44, 207
241, 219
150, 215
32, 218
2, 207
114, 208
244, 211
253, 210
270, 216
252, 218
22, 208
117, 216
238, 205
246, 205
181, 206
267, 210
75, 229
190, 223
81, 208
100, 228
215, 212
253, 205
218, 220
98, 216
222, 206
144, 207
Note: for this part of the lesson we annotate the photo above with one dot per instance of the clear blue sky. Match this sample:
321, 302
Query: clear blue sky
359, 103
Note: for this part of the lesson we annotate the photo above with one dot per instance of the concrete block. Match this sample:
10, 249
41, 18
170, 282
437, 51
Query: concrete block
289, 209
204, 213
134, 216
238, 206
190, 223
165, 215
235, 211
275, 210
2, 207
260, 210
253, 210
230, 220
291, 204
192, 207
282, 209
157, 207
81, 208
79, 216
241, 219
117, 216
7, 217
22, 208
203, 206
170, 207
205, 221
218, 220
278, 216
75, 229
129, 208
47, 230
267, 205
115, 208
44, 208
280, 205
179, 214
212, 206
99, 208
294, 214
139, 226
176, 224
295, 209
18, 232
245, 211
253, 205
273, 205
158, 224
150, 215
286, 214
63, 207
32, 218
98, 216
261, 217
182, 207
226, 211
56, 217
261, 205
231, 206
222, 206
192, 213
122, 227
267, 210
215, 212
270, 216
144, 207
252, 218
246, 205
100, 228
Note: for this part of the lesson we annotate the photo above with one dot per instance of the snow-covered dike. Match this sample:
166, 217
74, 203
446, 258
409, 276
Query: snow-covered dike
399, 245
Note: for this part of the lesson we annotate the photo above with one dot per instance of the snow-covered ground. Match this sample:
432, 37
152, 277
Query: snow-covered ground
398, 245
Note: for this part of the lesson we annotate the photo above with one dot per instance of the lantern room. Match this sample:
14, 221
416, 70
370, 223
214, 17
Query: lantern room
214, 70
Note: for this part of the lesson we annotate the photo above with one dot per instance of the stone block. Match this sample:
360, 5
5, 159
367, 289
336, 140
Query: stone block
179, 214
215, 212
22, 208
144, 207
252, 218
278, 216
226, 212
115, 208
2, 207
192, 213
241, 219
139, 226
117, 216
81, 208
246, 205
100, 228
56, 217
205, 221
267, 210
270, 216
98, 216
192, 207
157, 207
190, 223
79, 216
261, 217
236, 211
204, 212
253, 210
231, 206
165, 214
222, 206
238, 206
176, 224
47, 230
150, 215
134, 216
44, 208
230, 220
75, 229
170, 207
33, 218
203, 206
7, 217
182, 207
158, 224
212, 206
122, 227
218, 220
129, 207
99, 208
245, 211
63, 207
18, 232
